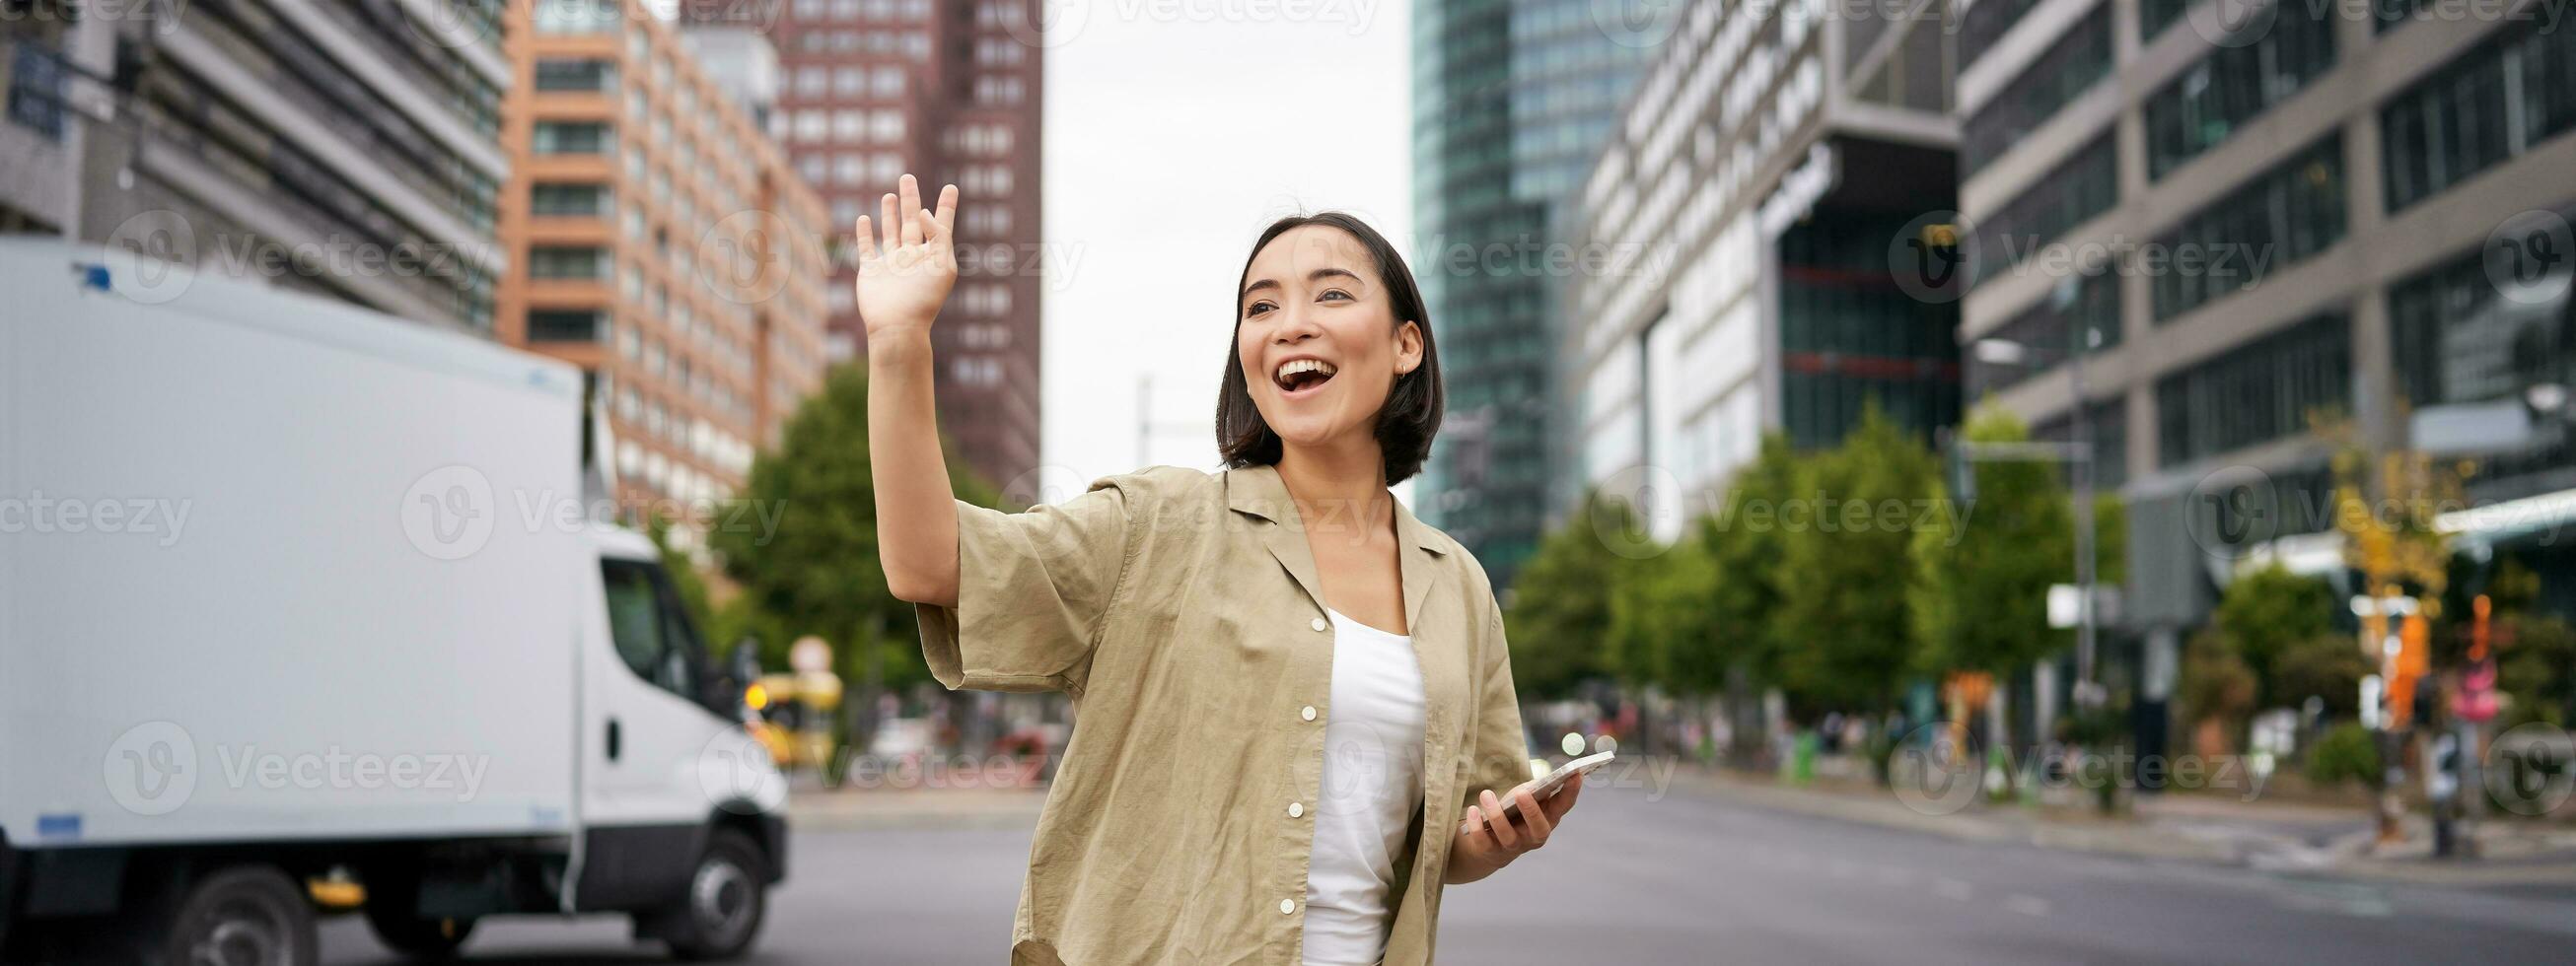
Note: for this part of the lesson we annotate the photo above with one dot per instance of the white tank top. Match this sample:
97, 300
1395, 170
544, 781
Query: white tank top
1372, 782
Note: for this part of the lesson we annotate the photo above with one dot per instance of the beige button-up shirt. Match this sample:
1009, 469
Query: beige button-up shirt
1181, 611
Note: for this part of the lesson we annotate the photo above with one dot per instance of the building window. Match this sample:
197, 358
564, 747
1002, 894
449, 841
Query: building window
2264, 390
2155, 15
885, 126
2087, 314
2084, 185
562, 74
849, 125
36, 88
566, 261
2491, 104
572, 137
2274, 221
2235, 84
2068, 69
567, 325
570, 200
577, 16
1986, 22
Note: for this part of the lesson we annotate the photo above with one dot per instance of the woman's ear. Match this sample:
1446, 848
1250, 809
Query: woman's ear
1408, 347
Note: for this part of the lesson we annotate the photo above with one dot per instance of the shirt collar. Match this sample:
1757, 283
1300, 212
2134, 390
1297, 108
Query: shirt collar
1258, 491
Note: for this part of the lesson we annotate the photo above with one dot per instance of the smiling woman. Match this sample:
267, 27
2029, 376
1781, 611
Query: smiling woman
1297, 715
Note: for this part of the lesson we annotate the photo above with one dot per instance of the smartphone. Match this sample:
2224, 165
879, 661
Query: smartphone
1555, 780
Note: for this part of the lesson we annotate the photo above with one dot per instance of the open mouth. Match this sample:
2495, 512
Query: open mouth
1298, 375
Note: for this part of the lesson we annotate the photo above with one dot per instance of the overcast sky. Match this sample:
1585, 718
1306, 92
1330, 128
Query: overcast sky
1170, 142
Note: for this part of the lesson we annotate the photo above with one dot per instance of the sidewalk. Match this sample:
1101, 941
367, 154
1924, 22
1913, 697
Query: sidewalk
2275, 837
813, 808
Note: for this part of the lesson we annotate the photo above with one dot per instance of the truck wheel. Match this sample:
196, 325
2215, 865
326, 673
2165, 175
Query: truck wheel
422, 939
246, 915
726, 901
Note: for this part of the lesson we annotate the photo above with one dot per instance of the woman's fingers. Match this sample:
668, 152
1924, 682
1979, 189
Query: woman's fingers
946, 217
890, 221
1504, 834
911, 191
1536, 819
867, 239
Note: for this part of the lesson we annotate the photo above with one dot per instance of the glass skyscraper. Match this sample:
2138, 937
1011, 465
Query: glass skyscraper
1511, 104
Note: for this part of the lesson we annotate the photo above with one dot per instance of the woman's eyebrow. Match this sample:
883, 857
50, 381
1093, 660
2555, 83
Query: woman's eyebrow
1313, 276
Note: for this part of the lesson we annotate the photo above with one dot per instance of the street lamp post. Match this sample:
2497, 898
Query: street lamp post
2079, 456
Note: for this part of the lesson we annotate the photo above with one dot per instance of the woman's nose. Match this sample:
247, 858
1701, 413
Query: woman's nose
1297, 327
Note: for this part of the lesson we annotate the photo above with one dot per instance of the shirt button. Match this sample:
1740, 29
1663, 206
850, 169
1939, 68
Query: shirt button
1296, 809
1287, 907
1317, 623
1307, 712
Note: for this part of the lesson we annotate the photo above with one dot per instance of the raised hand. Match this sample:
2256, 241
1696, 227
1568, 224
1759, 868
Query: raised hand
904, 278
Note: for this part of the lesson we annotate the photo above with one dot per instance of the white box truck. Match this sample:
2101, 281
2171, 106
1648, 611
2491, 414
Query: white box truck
301, 606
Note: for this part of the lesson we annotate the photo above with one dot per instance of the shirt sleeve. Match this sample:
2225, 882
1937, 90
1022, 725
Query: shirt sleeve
1032, 590
1500, 744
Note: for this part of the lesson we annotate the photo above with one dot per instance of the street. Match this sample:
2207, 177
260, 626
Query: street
1689, 877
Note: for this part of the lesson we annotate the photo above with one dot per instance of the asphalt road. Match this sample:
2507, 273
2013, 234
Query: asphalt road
1686, 878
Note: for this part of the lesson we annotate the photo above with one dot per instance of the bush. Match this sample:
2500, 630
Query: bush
2348, 752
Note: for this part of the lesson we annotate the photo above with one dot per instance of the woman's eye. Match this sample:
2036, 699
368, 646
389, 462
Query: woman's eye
1257, 308
1334, 293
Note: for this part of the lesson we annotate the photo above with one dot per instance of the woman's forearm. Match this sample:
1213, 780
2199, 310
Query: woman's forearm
916, 512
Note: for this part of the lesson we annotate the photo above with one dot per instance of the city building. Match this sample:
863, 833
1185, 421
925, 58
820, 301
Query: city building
952, 93
1511, 104
1770, 214
2256, 220
347, 149
665, 246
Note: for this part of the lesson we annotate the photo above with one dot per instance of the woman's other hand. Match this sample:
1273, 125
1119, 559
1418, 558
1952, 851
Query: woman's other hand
1489, 840
905, 275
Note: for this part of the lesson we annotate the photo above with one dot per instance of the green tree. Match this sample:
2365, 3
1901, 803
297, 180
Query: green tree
803, 542
1846, 564
1662, 629
1559, 612
1744, 548
2266, 613
1979, 596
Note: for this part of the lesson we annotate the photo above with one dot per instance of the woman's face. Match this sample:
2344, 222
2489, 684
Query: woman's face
1319, 341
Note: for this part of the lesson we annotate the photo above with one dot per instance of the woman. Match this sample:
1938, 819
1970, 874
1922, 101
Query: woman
1295, 708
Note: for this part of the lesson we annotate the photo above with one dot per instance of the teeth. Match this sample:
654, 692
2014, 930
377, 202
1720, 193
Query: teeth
1295, 367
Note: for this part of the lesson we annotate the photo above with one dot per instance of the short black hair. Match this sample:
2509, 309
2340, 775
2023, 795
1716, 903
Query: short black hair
1411, 413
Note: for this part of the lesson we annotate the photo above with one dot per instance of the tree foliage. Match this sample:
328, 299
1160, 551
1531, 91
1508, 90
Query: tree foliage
817, 571
1979, 595
1848, 628
1560, 610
